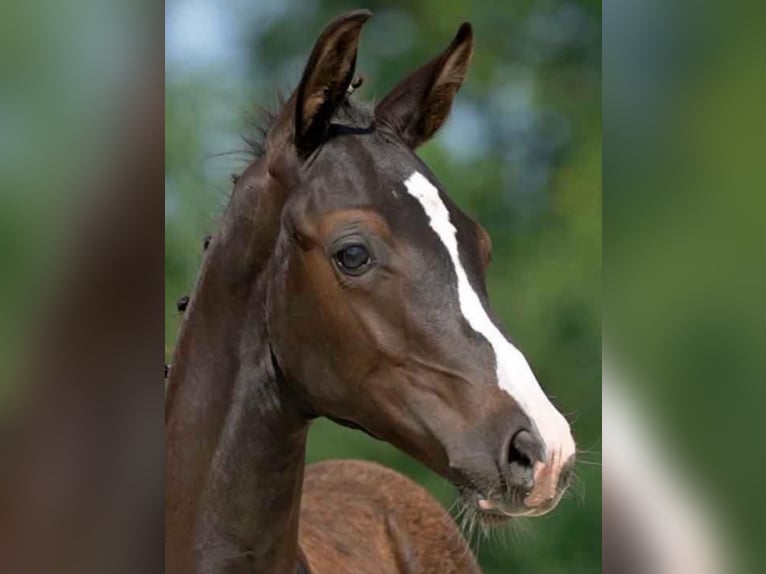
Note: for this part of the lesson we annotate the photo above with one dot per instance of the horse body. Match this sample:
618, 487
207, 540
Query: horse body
362, 518
343, 282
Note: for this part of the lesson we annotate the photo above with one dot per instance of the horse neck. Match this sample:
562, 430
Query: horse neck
235, 435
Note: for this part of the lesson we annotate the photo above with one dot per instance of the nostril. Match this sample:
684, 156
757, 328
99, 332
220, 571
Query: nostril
518, 452
524, 449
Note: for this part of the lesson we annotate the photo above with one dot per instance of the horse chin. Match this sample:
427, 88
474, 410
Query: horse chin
491, 519
475, 508
353, 425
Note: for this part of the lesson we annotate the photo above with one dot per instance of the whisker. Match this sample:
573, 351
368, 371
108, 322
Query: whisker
577, 489
244, 154
591, 449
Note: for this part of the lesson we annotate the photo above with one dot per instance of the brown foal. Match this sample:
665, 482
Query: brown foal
343, 282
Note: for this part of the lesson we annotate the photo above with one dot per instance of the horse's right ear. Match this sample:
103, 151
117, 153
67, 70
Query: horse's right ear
418, 106
326, 79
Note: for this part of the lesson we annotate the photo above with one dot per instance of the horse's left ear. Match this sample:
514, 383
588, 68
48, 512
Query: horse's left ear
419, 104
326, 78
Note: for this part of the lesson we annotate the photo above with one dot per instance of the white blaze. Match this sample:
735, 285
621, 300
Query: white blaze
514, 374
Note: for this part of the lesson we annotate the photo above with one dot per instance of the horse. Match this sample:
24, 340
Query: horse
343, 282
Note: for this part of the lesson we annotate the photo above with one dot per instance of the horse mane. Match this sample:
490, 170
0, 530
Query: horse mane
351, 113
259, 123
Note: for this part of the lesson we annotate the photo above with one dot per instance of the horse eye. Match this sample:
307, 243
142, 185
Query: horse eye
353, 259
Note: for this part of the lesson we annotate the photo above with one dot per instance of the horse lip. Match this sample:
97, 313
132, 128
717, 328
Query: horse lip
492, 512
492, 506
496, 510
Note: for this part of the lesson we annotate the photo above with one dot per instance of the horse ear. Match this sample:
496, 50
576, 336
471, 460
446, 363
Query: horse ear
419, 104
326, 79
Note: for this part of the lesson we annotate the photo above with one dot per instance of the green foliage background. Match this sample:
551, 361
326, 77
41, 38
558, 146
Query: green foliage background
521, 153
